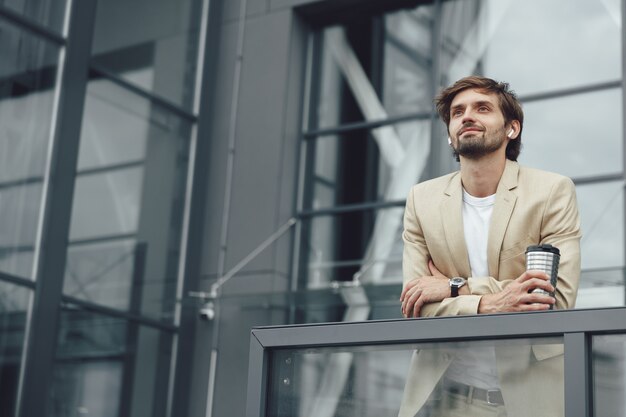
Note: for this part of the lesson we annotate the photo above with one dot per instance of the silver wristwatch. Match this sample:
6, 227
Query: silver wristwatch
455, 284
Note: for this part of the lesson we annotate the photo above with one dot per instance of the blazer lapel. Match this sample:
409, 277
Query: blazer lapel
503, 208
452, 219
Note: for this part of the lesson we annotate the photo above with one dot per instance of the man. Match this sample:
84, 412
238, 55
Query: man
465, 236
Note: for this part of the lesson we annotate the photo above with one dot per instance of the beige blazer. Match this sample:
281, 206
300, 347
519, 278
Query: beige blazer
532, 207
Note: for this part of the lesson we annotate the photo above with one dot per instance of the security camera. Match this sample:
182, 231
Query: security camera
207, 311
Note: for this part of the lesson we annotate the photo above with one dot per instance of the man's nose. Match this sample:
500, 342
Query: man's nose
468, 117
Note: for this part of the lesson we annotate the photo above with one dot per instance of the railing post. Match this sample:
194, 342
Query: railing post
578, 395
257, 372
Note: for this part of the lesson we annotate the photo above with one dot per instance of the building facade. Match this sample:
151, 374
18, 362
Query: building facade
155, 150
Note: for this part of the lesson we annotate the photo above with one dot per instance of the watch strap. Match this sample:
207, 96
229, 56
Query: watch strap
455, 284
454, 290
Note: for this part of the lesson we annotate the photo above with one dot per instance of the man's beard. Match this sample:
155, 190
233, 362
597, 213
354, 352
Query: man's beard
475, 147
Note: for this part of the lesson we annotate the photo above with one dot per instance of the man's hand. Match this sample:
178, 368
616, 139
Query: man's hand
517, 296
424, 290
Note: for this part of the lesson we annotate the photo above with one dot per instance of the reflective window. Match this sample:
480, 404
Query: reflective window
160, 54
379, 381
102, 144
609, 375
578, 136
376, 68
368, 166
50, 13
20, 206
602, 245
601, 208
128, 203
124, 240
535, 45
28, 70
108, 272
14, 303
110, 196
407, 61
367, 243
107, 366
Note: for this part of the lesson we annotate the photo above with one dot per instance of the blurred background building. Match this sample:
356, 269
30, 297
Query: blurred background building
153, 150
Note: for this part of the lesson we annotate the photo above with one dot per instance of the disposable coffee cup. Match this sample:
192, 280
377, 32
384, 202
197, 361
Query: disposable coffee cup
544, 258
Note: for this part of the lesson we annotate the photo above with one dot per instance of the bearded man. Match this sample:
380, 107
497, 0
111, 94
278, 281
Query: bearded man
465, 236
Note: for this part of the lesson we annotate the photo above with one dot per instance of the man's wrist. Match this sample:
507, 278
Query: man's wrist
485, 305
465, 289
456, 284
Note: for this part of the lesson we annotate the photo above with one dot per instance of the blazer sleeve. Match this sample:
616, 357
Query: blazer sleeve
415, 254
415, 264
561, 228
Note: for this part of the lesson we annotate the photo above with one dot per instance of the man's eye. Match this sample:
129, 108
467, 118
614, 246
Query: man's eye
483, 108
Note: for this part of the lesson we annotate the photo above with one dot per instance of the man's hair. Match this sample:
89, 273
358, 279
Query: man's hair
509, 105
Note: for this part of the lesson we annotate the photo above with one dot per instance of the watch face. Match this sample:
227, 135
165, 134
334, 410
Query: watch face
457, 281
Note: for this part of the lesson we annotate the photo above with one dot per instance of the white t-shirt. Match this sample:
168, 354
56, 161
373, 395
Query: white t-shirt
476, 365
476, 218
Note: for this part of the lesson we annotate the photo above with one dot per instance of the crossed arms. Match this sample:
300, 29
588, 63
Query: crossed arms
426, 290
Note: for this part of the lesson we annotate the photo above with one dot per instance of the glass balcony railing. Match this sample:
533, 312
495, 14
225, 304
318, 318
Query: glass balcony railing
559, 363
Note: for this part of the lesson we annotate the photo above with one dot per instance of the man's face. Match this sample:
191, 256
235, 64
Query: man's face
477, 126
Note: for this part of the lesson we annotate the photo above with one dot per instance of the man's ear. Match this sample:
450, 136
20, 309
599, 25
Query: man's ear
512, 132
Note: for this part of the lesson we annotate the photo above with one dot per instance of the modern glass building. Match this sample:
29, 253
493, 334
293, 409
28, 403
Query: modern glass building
249, 159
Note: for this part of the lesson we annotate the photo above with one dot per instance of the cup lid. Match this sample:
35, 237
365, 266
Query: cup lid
543, 248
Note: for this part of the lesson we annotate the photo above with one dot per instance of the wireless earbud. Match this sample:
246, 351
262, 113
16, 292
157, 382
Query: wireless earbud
449, 141
510, 133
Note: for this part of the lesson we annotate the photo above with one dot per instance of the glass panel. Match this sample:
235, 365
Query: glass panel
313, 305
368, 166
105, 272
14, 303
408, 61
50, 13
367, 243
602, 207
373, 69
602, 245
602, 287
20, 207
107, 366
577, 136
160, 54
609, 375
28, 70
117, 128
336, 104
128, 203
535, 52
372, 380
110, 196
